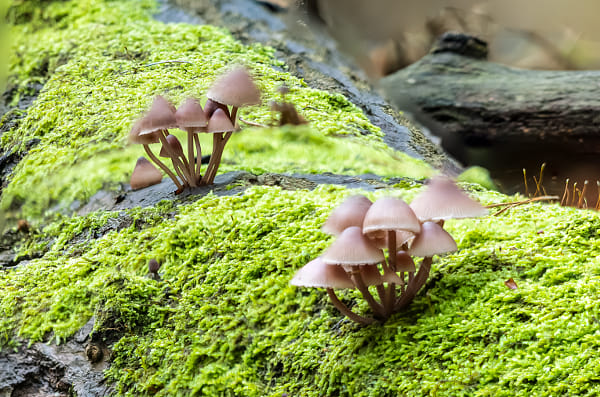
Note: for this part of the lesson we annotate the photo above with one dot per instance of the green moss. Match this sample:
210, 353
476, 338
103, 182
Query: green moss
100, 63
225, 321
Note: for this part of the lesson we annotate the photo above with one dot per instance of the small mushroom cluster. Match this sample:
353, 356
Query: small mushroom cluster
356, 259
231, 91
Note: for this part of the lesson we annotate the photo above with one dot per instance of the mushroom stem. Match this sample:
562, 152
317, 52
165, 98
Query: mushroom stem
219, 141
391, 293
198, 158
414, 285
163, 167
364, 290
190, 147
234, 110
177, 164
345, 310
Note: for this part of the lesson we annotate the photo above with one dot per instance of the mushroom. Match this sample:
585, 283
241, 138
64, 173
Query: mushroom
386, 220
172, 149
317, 273
352, 250
191, 118
210, 106
148, 130
350, 213
236, 89
221, 127
433, 240
444, 200
144, 174
153, 268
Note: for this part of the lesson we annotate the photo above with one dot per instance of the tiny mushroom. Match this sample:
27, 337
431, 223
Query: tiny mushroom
433, 240
148, 130
350, 213
236, 89
144, 174
352, 250
191, 118
444, 200
317, 273
221, 127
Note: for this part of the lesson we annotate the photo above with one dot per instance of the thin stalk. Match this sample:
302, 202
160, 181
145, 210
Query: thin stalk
345, 310
217, 136
198, 158
364, 290
391, 293
190, 147
414, 285
163, 167
215, 158
177, 164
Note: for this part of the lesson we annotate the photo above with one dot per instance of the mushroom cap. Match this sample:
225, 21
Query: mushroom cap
350, 213
175, 146
144, 174
433, 240
235, 88
404, 262
352, 248
142, 139
390, 213
370, 275
190, 115
161, 116
210, 106
153, 266
219, 122
444, 200
318, 274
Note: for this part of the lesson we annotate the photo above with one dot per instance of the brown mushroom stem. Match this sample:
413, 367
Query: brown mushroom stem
391, 293
163, 167
234, 110
177, 163
345, 310
219, 141
414, 285
190, 147
198, 158
364, 290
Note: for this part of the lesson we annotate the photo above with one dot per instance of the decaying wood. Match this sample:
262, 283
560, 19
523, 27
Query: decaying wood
456, 90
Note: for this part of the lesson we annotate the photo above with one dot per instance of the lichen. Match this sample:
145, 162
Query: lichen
101, 63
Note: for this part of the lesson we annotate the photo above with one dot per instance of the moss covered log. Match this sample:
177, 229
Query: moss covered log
223, 319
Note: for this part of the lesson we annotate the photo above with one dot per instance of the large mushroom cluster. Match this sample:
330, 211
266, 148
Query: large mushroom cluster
366, 231
231, 91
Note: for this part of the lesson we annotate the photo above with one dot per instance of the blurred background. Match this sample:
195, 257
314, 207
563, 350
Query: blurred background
386, 35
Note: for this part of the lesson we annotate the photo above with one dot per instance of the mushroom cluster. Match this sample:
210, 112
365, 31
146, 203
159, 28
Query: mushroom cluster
366, 231
231, 91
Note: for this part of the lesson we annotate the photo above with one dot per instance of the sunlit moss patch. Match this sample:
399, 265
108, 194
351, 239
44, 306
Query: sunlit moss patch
101, 63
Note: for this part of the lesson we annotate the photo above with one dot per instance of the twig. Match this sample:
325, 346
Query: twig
169, 61
517, 203
252, 123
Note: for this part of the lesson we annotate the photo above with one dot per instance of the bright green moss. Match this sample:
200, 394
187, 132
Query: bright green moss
100, 63
225, 321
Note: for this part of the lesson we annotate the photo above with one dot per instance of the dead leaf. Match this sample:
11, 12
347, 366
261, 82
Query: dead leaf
510, 283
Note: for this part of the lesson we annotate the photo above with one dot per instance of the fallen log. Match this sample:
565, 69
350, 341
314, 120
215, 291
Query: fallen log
503, 118
485, 102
